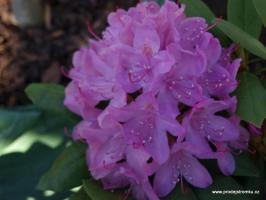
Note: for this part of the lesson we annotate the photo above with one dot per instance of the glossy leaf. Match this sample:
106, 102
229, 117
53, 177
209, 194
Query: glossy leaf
20, 172
13, 122
49, 98
243, 14
80, 195
245, 166
95, 191
260, 6
47, 130
247, 41
67, 171
221, 184
51, 138
251, 97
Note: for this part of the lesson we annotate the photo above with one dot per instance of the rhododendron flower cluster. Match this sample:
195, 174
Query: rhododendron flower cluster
154, 96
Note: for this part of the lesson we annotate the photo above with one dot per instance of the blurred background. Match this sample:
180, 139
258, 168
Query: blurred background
37, 37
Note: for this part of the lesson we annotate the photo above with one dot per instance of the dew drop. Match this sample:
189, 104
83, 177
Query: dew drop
189, 93
151, 126
141, 122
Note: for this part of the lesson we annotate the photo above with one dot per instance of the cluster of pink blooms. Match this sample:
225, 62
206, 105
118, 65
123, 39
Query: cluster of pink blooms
154, 96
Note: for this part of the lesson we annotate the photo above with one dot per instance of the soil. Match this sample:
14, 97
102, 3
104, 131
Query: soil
36, 54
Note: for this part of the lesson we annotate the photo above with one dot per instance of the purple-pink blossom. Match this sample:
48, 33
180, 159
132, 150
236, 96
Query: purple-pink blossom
167, 83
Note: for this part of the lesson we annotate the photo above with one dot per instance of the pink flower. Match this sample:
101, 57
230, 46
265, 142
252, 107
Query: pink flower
155, 97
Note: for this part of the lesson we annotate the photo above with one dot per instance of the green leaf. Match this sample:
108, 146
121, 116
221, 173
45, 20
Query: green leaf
221, 184
243, 14
20, 172
197, 8
247, 41
80, 195
47, 130
251, 97
13, 122
177, 194
49, 98
51, 138
67, 171
260, 6
161, 2
245, 166
257, 183
95, 191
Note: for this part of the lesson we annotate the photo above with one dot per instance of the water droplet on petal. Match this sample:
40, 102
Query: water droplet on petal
151, 126
141, 122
